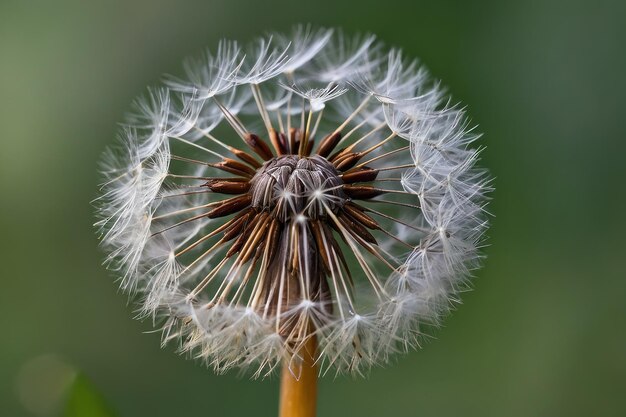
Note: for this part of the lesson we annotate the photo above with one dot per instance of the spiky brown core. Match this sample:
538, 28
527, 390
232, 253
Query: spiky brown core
287, 212
290, 185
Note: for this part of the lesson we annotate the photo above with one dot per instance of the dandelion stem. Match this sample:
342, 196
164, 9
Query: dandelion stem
298, 383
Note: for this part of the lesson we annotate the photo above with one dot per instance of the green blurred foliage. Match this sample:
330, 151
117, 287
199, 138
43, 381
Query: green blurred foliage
85, 401
542, 334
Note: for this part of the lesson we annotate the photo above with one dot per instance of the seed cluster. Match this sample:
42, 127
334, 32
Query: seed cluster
290, 185
314, 187
287, 212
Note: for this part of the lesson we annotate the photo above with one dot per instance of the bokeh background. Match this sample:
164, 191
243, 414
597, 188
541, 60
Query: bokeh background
542, 334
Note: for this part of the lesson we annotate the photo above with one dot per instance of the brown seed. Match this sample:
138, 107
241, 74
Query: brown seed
284, 141
243, 236
229, 223
231, 179
357, 228
260, 250
336, 228
277, 142
309, 147
273, 239
246, 157
341, 152
346, 162
236, 246
293, 138
330, 238
321, 246
361, 192
236, 226
363, 175
256, 239
234, 167
354, 211
328, 144
230, 206
227, 187
232, 170
259, 146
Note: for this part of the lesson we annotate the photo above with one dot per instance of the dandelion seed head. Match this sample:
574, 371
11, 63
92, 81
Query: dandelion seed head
311, 185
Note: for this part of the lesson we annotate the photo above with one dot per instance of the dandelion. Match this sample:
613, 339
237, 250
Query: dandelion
311, 203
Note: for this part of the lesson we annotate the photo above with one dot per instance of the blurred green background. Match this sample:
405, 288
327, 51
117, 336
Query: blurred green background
542, 334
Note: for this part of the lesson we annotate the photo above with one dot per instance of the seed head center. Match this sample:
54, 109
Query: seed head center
291, 187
